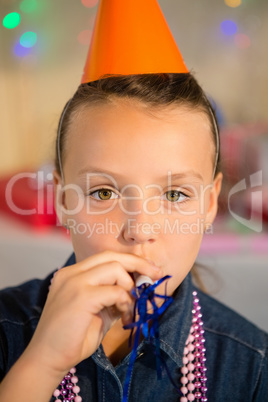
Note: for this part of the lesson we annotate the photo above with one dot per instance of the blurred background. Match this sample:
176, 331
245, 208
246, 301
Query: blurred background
43, 47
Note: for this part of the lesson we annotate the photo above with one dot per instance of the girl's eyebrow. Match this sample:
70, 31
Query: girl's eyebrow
185, 175
175, 176
92, 170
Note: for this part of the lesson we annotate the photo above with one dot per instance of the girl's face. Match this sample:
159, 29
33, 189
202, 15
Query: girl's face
139, 181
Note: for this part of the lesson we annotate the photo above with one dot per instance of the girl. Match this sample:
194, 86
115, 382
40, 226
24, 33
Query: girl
137, 181
139, 158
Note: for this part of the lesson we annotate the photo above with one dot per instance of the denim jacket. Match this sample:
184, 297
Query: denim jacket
236, 350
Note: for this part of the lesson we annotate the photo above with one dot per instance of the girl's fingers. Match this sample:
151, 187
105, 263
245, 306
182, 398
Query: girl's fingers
109, 274
101, 297
101, 275
131, 262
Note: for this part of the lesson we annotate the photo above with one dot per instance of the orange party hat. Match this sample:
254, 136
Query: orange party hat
131, 37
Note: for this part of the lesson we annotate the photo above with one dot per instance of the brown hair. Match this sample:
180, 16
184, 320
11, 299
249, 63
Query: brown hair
151, 89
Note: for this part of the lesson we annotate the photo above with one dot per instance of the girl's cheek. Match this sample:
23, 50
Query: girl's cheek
95, 232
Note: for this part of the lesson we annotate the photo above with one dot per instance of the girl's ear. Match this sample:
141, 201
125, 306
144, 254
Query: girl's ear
59, 198
213, 199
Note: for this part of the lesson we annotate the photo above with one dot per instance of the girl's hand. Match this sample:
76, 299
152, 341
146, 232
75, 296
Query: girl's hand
84, 301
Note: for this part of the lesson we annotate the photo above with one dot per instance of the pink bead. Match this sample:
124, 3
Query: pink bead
183, 399
185, 350
74, 379
191, 387
191, 330
185, 360
191, 347
190, 357
78, 399
73, 370
191, 338
190, 366
184, 380
191, 397
76, 389
184, 390
198, 395
56, 393
191, 377
184, 370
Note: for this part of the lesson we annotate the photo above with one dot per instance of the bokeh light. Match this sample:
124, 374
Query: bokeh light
228, 27
28, 39
242, 41
89, 3
233, 3
28, 6
11, 20
84, 37
21, 51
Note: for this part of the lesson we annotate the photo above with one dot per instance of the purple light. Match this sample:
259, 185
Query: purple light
228, 27
21, 51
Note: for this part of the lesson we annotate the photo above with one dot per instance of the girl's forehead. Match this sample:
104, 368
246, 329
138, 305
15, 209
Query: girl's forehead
131, 118
131, 136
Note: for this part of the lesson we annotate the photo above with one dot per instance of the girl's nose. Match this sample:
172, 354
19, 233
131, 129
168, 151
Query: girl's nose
140, 231
141, 223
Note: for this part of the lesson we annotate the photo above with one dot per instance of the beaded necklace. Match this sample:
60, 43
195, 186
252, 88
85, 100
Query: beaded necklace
193, 380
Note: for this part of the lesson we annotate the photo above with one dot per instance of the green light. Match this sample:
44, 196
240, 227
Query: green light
11, 20
28, 39
28, 6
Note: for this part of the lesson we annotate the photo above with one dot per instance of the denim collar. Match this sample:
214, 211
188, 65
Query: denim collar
175, 323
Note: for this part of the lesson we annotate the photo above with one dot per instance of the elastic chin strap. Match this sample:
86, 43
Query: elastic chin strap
59, 137
215, 126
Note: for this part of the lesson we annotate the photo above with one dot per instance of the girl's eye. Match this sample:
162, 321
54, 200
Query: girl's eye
175, 196
103, 194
